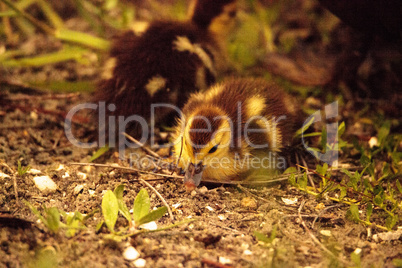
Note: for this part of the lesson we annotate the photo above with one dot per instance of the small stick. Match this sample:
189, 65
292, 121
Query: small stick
160, 196
322, 212
214, 264
127, 168
308, 175
181, 150
142, 146
315, 238
14, 181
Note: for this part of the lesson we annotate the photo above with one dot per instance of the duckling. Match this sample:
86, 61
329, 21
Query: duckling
164, 62
234, 131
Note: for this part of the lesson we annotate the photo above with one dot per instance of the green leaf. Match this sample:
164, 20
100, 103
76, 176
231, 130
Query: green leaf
99, 153
369, 211
355, 259
261, 237
397, 262
292, 180
302, 181
66, 54
152, 216
118, 192
399, 186
343, 192
290, 170
110, 209
383, 132
305, 126
341, 129
391, 221
354, 213
378, 199
99, 226
35, 211
347, 172
141, 205
82, 39
53, 219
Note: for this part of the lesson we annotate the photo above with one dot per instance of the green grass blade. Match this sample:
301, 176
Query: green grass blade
83, 39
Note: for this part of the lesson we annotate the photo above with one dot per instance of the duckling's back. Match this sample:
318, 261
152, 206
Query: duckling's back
246, 102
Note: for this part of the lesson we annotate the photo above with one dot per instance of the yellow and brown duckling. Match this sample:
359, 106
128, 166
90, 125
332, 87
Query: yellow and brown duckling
234, 131
166, 61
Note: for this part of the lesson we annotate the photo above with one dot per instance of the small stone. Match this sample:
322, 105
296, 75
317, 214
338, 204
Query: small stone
34, 171
373, 142
91, 192
78, 189
320, 206
65, 176
210, 208
139, 263
4, 175
82, 175
203, 190
247, 252
130, 254
326, 233
151, 226
249, 202
290, 201
224, 260
34, 115
45, 184
61, 167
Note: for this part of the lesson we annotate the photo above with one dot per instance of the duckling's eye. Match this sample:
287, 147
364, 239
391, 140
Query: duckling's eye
232, 14
213, 149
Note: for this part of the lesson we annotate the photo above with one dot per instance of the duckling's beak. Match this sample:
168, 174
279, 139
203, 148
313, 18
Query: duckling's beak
193, 176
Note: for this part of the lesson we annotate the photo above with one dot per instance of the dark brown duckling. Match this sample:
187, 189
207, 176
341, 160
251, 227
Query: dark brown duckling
163, 63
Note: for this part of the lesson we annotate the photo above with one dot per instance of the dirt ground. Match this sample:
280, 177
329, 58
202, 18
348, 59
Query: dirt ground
308, 232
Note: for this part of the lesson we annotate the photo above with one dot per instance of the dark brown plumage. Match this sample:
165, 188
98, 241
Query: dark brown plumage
163, 64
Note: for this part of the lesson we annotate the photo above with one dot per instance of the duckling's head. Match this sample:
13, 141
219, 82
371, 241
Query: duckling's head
205, 139
216, 15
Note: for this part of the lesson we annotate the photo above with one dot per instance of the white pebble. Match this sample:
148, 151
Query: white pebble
61, 167
78, 189
91, 192
45, 184
224, 260
289, 201
203, 190
247, 252
34, 171
130, 254
4, 176
82, 175
209, 208
326, 233
221, 217
373, 142
139, 263
177, 205
149, 226
66, 175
